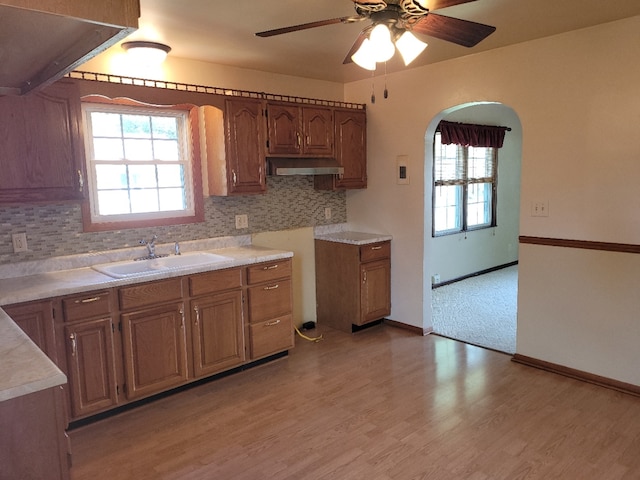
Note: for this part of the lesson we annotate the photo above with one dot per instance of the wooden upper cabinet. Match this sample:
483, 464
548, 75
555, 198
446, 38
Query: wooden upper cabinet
41, 146
350, 130
300, 131
44, 39
244, 142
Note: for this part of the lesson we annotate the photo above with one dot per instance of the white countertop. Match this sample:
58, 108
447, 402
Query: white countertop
24, 368
354, 238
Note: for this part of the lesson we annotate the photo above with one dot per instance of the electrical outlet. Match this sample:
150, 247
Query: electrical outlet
435, 278
327, 213
242, 221
19, 242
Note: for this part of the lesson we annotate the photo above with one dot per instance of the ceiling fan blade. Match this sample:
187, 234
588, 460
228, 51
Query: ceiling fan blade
456, 30
305, 26
437, 4
356, 45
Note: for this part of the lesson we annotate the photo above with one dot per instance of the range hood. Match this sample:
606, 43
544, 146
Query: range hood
304, 166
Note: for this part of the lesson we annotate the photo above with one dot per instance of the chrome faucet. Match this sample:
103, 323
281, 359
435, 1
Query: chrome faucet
151, 246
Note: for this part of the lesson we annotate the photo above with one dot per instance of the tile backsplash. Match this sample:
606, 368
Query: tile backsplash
56, 229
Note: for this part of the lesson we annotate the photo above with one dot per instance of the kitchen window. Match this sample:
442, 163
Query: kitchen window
465, 187
140, 166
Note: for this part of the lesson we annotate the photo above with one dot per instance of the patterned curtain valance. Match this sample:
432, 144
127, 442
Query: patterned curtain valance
471, 135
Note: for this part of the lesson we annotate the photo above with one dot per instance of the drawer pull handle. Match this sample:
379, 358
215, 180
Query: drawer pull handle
271, 287
270, 267
197, 310
74, 344
88, 300
271, 324
376, 248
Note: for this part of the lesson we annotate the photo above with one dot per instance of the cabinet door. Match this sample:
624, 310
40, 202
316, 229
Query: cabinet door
245, 146
36, 320
218, 333
351, 147
317, 127
91, 366
154, 349
375, 296
41, 145
285, 129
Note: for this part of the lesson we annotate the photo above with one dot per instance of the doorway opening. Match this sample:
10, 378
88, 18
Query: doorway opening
473, 275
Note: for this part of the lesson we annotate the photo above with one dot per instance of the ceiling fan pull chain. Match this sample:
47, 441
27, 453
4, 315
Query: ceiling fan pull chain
373, 87
386, 92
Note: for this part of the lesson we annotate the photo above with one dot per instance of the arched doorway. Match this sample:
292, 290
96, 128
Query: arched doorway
475, 272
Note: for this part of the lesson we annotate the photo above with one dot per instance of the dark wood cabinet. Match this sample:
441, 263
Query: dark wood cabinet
92, 348
350, 131
295, 130
270, 308
244, 142
217, 329
91, 366
154, 349
41, 146
353, 283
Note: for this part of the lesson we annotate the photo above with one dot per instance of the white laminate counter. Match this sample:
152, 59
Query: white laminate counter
24, 368
354, 238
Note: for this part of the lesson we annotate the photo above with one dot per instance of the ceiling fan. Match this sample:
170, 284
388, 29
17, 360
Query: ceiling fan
393, 25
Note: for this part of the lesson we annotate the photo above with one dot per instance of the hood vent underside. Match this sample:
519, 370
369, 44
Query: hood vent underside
304, 166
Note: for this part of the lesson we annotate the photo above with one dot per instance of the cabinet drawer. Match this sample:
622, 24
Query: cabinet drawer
87, 305
216, 281
265, 272
375, 251
272, 336
150, 293
269, 300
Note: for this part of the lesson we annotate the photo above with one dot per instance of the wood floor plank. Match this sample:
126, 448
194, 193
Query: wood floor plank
379, 404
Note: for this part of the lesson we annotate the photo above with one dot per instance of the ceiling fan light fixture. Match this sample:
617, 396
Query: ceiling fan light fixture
381, 44
147, 53
409, 47
365, 56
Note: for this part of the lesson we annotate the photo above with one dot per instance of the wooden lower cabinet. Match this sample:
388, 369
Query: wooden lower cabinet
91, 366
353, 283
217, 333
270, 308
155, 350
36, 320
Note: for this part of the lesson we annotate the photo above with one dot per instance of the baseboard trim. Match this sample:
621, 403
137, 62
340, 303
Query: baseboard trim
475, 274
410, 328
623, 387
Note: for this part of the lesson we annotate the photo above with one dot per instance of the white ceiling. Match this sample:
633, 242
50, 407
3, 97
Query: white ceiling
222, 31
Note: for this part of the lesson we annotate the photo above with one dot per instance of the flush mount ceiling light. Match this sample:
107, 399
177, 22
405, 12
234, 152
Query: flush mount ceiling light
401, 19
147, 52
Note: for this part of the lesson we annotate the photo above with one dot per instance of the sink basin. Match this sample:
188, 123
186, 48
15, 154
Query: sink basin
135, 268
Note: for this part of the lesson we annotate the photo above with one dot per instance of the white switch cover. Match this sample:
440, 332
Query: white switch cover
19, 242
327, 213
242, 221
540, 208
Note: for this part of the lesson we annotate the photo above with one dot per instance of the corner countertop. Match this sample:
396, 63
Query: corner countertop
25, 368
354, 238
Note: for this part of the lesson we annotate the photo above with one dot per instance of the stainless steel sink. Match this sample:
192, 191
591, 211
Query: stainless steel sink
136, 268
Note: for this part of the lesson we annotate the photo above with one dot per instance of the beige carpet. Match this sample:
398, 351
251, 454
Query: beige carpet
480, 310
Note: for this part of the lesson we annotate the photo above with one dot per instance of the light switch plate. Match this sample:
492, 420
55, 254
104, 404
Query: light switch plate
402, 169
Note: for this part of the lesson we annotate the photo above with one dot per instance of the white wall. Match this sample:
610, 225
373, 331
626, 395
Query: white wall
578, 101
454, 256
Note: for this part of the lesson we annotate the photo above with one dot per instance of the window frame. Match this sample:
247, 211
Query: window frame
194, 173
463, 208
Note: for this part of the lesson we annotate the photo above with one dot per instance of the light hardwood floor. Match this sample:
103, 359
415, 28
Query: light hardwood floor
379, 404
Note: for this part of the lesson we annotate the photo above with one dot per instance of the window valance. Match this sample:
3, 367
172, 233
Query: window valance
470, 135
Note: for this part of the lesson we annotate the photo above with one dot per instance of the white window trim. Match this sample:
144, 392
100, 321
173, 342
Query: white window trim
183, 132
